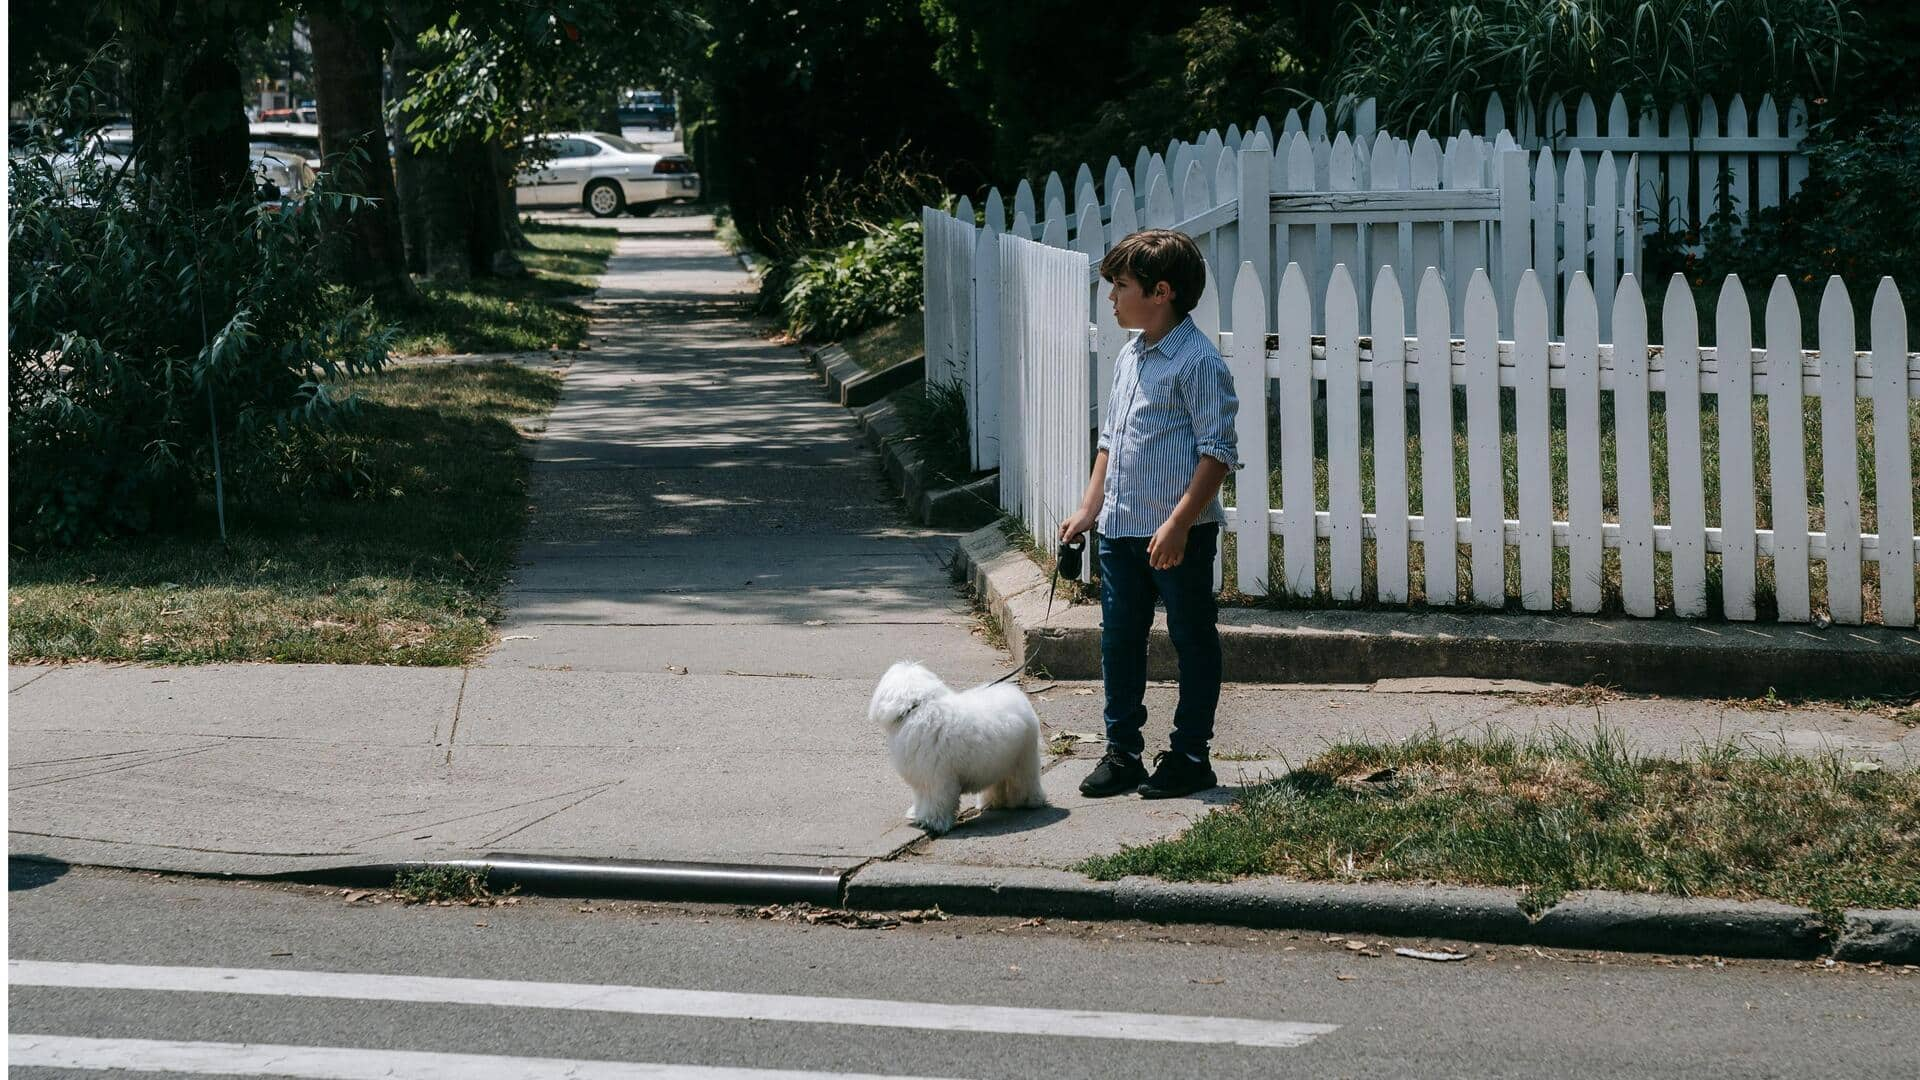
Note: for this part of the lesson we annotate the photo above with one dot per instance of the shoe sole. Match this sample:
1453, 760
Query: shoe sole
1109, 794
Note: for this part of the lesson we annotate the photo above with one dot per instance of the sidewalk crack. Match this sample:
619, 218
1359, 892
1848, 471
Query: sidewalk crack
458, 700
31, 681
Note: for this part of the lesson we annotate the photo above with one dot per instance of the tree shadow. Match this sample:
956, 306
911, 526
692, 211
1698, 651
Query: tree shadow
33, 871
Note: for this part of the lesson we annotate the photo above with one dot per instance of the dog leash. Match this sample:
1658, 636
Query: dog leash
1071, 550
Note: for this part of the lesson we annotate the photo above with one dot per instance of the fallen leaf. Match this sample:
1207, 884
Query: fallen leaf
520, 637
1084, 692
357, 894
1356, 946
1208, 982
481, 924
1424, 954
1344, 978
676, 669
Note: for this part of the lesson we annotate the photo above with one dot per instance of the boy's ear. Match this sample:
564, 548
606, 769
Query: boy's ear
1163, 291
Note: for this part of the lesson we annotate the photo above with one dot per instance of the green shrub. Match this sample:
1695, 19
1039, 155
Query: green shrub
933, 418
840, 291
1854, 217
146, 336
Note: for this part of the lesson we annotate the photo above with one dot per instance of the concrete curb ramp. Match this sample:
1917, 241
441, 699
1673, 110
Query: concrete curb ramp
1266, 645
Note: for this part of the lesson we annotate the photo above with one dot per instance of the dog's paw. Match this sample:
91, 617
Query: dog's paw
932, 826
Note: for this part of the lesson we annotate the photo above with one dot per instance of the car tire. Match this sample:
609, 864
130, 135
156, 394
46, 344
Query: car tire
603, 199
644, 209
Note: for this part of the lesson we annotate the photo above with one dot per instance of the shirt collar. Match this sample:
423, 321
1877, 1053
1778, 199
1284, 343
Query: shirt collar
1174, 339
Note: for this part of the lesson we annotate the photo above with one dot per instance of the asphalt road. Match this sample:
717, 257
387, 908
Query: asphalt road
108, 970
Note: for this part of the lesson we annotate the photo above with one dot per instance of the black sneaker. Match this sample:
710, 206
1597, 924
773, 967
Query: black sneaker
1119, 773
1175, 774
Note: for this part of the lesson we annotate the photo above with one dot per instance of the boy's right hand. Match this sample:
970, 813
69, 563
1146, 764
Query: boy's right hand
1079, 523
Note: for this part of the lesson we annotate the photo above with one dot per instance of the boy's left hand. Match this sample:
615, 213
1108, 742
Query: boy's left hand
1168, 546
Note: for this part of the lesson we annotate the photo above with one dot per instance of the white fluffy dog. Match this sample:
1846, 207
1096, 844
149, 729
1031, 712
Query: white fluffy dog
946, 744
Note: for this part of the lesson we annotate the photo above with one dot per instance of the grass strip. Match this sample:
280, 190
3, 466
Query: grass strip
1553, 815
407, 572
524, 314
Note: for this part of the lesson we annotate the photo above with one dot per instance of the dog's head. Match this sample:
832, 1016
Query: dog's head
903, 688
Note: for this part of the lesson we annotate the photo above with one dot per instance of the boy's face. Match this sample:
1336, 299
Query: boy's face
1133, 307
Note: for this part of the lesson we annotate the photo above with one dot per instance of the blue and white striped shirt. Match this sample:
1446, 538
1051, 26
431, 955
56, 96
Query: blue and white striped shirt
1172, 403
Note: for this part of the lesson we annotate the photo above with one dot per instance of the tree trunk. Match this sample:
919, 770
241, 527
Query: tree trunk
367, 247
437, 194
189, 119
512, 240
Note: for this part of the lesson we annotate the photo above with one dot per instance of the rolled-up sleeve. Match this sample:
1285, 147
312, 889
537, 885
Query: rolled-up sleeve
1213, 406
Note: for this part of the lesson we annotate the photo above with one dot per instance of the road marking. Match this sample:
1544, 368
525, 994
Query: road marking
669, 1001
342, 1063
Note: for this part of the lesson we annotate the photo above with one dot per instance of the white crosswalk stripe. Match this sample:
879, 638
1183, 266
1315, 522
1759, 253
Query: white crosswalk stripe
670, 1001
339, 1063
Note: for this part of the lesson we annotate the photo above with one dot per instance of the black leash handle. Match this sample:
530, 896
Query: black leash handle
1069, 557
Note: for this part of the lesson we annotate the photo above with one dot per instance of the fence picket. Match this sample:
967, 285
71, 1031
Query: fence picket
1159, 209
1123, 220
1486, 498
1892, 461
1465, 242
1686, 483
1605, 217
1254, 230
1534, 456
1633, 447
963, 210
1438, 545
1343, 433
1839, 454
1302, 241
1346, 243
1389, 438
1107, 180
1425, 245
1733, 354
988, 361
1263, 128
1648, 131
1766, 179
1546, 244
1786, 454
1023, 207
1054, 202
996, 211
1573, 216
1142, 161
1085, 195
1583, 444
1296, 434
1248, 362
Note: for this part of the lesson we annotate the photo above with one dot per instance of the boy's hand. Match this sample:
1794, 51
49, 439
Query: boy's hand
1079, 523
1168, 546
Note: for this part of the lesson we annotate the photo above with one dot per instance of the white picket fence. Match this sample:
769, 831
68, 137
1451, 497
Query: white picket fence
1046, 338
1682, 159
1408, 205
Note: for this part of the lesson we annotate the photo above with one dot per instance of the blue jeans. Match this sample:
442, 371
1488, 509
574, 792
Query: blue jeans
1128, 588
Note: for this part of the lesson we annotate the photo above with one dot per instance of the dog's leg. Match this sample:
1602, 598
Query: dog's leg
938, 809
1023, 787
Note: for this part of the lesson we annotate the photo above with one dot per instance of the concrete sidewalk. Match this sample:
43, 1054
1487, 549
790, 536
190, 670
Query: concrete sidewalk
714, 575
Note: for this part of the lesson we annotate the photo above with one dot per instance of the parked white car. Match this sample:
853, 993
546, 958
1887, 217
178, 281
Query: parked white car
604, 174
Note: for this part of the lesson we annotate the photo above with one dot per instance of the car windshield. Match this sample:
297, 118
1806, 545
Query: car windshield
620, 144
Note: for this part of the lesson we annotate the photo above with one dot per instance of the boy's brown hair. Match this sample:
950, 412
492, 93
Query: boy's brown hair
1151, 256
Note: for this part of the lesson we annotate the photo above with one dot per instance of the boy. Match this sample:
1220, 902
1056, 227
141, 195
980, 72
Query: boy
1167, 443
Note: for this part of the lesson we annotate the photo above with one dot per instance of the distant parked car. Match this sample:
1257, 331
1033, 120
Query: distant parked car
280, 175
305, 115
604, 174
301, 138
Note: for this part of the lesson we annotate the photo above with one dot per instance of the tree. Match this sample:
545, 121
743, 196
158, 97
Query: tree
366, 248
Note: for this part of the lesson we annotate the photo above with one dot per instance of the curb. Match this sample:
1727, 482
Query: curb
854, 386
1268, 645
964, 506
1594, 921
